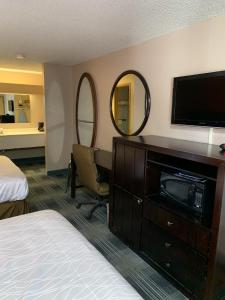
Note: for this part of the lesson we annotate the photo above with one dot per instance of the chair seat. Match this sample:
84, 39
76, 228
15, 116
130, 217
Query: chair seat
103, 189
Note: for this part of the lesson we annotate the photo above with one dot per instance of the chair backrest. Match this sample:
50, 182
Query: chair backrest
86, 167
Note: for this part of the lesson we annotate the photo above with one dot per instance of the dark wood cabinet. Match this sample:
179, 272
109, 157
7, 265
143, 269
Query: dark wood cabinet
188, 249
128, 193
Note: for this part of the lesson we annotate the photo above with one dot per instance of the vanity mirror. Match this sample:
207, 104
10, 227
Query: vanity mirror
130, 103
14, 108
86, 111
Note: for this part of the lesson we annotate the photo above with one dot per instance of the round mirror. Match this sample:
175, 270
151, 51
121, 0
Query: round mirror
86, 114
130, 103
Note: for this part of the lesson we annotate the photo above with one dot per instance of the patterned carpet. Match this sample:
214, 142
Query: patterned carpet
49, 192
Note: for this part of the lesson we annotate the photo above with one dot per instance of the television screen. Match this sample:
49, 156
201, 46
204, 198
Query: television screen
199, 100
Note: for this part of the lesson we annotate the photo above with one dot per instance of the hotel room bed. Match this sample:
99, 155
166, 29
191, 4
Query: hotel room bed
42, 256
13, 189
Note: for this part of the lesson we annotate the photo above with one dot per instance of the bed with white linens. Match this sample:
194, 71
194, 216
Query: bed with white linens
13, 189
42, 256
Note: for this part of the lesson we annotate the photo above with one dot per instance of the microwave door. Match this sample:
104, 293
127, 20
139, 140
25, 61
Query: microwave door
176, 190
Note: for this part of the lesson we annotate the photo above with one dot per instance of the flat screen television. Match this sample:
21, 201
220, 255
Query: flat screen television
199, 100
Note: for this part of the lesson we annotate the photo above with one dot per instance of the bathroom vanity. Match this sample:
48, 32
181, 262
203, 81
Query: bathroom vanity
22, 143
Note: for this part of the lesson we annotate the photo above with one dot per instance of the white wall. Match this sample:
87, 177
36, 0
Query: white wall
196, 49
59, 115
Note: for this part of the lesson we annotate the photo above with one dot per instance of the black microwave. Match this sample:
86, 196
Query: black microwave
187, 191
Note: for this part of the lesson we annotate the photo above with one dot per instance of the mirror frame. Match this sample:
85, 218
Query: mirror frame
147, 101
94, 103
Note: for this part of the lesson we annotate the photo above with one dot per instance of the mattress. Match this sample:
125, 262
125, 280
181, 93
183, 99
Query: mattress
42, 256
13, 183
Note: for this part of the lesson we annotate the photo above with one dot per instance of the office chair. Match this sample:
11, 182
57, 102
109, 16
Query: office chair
88, 175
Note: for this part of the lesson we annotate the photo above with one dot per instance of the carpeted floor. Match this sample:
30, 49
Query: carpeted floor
49, 192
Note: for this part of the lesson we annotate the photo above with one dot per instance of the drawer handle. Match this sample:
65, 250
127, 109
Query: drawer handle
167, 245
139, 201
169, 223
168, 264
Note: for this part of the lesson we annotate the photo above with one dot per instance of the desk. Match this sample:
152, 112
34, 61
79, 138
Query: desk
103, 159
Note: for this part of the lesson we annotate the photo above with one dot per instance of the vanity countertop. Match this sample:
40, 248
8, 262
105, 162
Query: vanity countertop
30, 131
21, 138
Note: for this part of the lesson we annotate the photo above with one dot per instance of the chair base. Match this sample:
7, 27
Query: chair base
100, 203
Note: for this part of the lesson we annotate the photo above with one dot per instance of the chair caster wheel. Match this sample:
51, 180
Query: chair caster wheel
78, 205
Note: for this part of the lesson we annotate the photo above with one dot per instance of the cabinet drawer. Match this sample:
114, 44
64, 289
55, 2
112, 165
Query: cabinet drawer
193, 234
161, 217
176, 259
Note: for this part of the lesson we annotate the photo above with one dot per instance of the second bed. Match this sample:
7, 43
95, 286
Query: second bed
13, 189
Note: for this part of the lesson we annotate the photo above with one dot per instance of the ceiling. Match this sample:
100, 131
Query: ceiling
73, 31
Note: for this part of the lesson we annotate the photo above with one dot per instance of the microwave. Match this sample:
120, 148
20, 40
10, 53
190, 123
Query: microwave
187, 191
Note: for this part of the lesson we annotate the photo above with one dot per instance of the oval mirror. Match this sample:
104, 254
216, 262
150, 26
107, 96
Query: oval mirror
130, 103
86, 111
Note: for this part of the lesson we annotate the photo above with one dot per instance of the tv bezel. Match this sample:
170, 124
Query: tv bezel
204, 123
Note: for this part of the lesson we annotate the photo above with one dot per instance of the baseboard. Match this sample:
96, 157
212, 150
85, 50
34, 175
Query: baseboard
61, 172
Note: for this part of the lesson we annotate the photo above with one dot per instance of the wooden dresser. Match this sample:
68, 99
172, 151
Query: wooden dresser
187, 249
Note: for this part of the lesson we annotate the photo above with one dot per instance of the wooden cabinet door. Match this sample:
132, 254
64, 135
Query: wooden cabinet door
129, 168
126, 220
137, 204
122, 213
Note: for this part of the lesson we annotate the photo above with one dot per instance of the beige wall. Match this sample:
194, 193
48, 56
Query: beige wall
196, 49
59, 115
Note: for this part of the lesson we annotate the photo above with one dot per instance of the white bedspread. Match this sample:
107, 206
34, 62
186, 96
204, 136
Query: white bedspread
13, 183
42, 256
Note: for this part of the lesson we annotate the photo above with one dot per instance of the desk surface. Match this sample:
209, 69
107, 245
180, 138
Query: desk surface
103, 158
